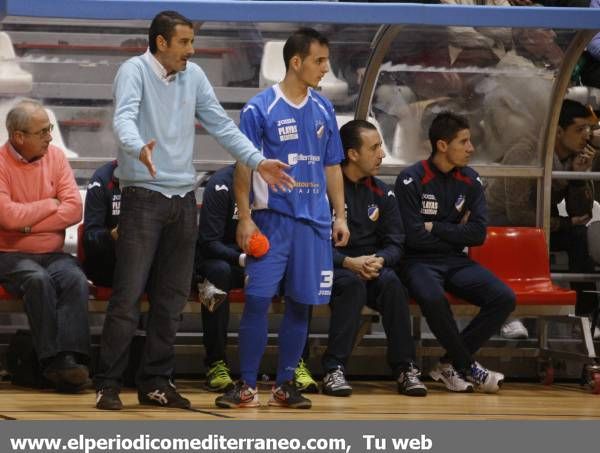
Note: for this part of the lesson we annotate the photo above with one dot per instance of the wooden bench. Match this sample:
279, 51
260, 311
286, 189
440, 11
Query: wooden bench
518, 256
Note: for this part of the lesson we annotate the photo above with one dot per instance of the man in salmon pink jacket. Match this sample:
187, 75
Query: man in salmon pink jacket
39, 199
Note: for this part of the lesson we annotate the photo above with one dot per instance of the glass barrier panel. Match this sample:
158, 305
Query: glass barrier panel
499, 78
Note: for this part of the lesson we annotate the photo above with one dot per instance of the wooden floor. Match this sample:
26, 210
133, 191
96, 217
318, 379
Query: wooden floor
370, 401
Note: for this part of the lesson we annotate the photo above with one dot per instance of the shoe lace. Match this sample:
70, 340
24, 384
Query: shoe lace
337, 377
412, 374
218, 370
302, 372
452, 373
478, 373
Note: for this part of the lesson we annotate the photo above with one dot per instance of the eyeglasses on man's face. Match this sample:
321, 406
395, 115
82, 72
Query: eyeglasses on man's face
42, 132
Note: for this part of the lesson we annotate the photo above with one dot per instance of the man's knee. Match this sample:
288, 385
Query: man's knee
389, 280
391, 288
428, 294
74, 277
348, 290
36, 279
218, 272
505, 298
348, 283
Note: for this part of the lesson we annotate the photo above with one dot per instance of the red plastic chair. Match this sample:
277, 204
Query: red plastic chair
519, 257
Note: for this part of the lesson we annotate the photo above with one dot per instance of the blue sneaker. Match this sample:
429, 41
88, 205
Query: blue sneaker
487, 381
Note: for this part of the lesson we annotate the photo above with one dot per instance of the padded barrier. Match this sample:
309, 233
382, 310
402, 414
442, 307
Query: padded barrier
310, 12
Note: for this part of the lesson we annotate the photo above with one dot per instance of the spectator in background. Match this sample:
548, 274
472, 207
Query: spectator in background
590, 70
101, 218
158, 96
563, 3
481, 46
513, 201
443, 208
555, 3
544, 45
39, 199
364, 268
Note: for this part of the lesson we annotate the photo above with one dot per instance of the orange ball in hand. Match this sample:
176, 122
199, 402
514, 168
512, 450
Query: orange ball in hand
258, 245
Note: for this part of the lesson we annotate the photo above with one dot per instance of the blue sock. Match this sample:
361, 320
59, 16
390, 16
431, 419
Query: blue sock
292, 336
253, 336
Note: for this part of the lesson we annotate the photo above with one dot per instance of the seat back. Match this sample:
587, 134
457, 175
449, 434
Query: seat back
272, 71
514, 253
13, 79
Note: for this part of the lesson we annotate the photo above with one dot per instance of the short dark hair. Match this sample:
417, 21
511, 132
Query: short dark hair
570, 110
350, 135
299, 44
164, 24
445, 126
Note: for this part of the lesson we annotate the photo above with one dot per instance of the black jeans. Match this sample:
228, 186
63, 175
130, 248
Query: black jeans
224, 276
459, 275
387, 295
155, 251
55, 292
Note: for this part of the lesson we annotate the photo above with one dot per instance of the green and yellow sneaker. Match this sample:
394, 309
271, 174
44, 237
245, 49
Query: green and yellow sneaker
218, 378
304, 380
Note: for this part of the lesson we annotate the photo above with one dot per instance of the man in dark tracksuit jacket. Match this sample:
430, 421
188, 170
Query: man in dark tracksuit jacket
222, 262
364, 268
443, 207
101, 216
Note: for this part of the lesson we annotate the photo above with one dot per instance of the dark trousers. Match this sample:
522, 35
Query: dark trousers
224, 276
55, 292
157, 236
426, 283
99, 267
387, 295
574, 242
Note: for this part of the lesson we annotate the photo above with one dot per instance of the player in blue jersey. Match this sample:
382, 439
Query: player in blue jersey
291, 122
444, 210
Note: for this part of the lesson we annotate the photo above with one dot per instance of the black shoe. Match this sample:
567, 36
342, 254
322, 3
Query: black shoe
108, 399
335, 383
288, 395
63, 370
240, 396
409, 382
165, 396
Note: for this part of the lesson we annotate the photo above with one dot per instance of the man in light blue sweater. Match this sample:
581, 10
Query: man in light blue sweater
157, 98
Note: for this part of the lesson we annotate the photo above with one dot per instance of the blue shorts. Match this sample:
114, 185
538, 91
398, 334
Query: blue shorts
299, 261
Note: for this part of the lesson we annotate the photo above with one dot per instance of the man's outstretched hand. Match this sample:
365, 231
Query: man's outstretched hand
273, 172
146, 157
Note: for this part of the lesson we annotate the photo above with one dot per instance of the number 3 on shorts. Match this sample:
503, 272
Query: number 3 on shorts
326, 279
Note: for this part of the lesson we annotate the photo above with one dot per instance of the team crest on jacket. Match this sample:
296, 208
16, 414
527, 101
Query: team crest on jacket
373, 212
459, 203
